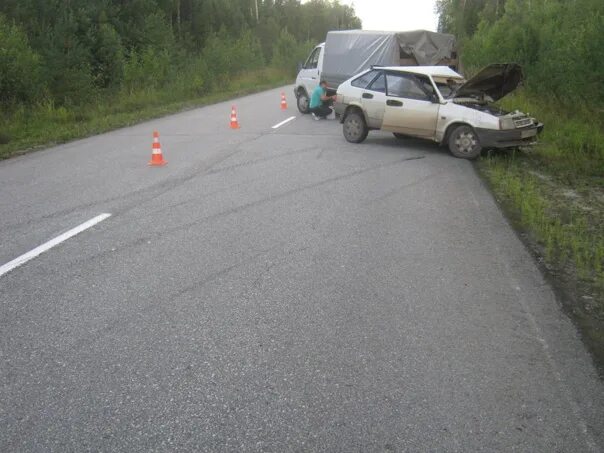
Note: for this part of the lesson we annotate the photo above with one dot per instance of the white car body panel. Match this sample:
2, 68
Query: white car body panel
374, 108
414, 117
451, 113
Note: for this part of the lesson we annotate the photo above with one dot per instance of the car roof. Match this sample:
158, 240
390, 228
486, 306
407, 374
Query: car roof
434, 71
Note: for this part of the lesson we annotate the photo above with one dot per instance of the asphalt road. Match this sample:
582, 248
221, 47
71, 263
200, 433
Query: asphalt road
276, 290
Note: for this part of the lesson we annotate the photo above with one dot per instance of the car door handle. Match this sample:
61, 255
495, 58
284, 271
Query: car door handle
367, 96
393, 103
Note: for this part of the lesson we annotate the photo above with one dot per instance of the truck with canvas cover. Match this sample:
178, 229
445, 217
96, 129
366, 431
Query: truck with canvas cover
349, 52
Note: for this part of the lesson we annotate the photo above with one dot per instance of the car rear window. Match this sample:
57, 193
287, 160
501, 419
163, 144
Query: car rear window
364, 80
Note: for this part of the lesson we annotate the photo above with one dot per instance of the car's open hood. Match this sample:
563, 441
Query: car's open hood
496, 81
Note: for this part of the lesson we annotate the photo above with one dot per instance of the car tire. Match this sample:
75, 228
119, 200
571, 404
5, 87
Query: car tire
303, 102
400, 136
464, 143
354, 128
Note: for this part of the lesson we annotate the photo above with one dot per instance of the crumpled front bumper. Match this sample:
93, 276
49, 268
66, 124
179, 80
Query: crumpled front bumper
490, 138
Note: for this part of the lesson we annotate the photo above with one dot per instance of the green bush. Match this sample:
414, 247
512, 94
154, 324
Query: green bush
560, 45
227, 56
68, 63
20, 68
150, 68
108, 57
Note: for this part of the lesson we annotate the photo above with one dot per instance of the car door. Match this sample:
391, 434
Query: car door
310, 71
373, 100
370, 93
409, 107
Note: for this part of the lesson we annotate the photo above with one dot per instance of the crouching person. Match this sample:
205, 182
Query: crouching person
320, 101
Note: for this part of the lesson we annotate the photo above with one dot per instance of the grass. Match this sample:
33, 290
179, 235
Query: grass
26, 129
555, 194
569, 232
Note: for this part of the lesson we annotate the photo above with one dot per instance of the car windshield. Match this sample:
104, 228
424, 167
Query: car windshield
447, 87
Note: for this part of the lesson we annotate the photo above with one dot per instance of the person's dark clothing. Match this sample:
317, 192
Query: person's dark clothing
322, 111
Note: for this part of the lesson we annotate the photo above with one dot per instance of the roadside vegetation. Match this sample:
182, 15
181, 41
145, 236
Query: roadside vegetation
71, 69
555, 192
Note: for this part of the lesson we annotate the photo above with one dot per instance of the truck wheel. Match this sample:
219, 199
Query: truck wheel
464, 143
303, 102
355, 129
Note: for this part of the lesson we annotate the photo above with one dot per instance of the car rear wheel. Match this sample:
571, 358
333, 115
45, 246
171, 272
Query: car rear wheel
355, 130
303, 102
464, 143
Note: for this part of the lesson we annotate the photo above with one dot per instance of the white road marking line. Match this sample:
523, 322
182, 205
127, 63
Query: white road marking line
50, 244
284, 122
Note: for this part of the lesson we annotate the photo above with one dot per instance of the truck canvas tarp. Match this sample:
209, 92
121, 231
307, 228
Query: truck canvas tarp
352, 51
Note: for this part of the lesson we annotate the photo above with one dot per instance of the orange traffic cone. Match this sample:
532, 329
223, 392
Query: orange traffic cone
157, 159
234, 122
283, 102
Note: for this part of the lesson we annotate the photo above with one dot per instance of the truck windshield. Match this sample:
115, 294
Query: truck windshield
313, 59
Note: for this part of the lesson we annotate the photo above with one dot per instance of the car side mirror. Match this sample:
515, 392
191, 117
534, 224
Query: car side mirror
300, 66
434, 99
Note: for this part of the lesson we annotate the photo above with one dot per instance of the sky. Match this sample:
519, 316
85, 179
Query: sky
395, 15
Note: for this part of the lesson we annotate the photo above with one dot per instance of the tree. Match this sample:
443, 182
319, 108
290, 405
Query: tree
20, 67
560, 44
108, 57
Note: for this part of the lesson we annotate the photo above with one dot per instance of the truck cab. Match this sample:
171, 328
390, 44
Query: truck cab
309, 77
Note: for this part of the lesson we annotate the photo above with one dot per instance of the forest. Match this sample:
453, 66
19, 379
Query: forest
73, 67
560, 43
70, 51
555, 191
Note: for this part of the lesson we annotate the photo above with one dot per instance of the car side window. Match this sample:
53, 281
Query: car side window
364, 80
379, 84
405, 86
313, 60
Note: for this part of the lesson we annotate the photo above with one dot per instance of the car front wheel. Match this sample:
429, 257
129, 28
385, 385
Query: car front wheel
464, 143
355, 129
303, 102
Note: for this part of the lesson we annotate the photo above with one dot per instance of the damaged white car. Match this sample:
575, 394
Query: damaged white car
436, 103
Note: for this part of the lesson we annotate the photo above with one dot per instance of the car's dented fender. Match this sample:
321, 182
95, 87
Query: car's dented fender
342, 109
451, 114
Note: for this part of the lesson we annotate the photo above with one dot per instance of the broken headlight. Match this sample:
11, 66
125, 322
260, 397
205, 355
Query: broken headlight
506, 124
